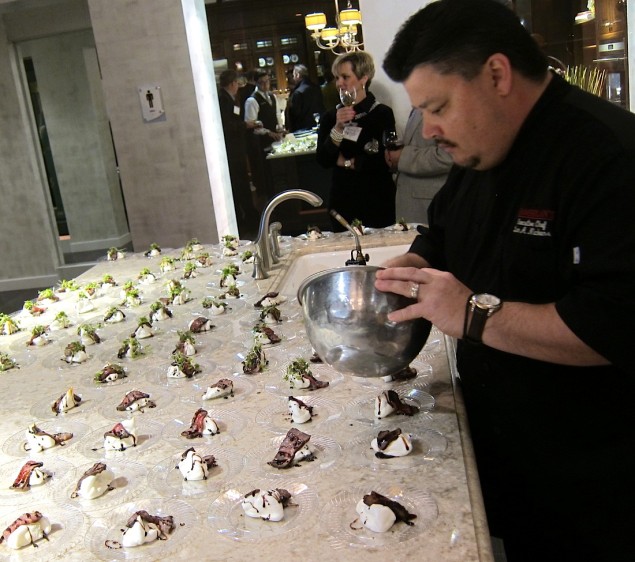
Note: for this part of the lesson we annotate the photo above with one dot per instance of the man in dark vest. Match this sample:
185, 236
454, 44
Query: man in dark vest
261, 107
235, 133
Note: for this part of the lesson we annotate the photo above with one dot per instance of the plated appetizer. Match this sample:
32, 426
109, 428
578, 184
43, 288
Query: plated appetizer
66, 402
167, 264
388, 402
264, 335
47, 296
33, 309
110, 373
136, 401
121, 437
379, 513
189, 271
94, 483
38, 440
130, 348
84, 303
159, 312
75, 353
114, 315
114, 254
88, 334
142, 528
146, 277
186, 345
195, 467
153, 251
144, 329
314, 232
255, 361
215, 306
270, 299
60, 321
266, 504
200, 324
38, 336
203, 260
389, 444
182, 367
270, 314
224, 388
31, 474
202, 425
7, 363
405, 374
26, 530
300, 411
293, 449
299, 375
8, 325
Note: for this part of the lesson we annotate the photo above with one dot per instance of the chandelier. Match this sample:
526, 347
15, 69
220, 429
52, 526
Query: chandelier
343, 36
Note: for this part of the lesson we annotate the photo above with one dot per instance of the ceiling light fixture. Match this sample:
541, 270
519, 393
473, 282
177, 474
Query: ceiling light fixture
344, 36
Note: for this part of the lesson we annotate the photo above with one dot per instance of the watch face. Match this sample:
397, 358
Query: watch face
487, 301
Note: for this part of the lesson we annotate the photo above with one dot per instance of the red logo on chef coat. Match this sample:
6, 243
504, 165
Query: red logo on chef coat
534, 222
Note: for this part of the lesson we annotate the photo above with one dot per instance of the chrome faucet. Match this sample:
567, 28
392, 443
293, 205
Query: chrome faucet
264, 255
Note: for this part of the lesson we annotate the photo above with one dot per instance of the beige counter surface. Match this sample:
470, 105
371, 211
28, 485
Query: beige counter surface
433, 481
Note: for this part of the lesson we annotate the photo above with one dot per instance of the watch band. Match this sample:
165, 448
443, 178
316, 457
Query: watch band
475, 329
482, 306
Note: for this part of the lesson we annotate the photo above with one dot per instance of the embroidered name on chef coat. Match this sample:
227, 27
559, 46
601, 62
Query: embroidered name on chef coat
534, 222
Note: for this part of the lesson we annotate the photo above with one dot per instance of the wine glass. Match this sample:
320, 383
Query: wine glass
348, 97
392, 140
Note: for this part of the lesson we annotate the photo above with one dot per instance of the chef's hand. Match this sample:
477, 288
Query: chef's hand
343, 117
441, 297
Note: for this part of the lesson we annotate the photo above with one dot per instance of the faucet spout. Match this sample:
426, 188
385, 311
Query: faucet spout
262, 244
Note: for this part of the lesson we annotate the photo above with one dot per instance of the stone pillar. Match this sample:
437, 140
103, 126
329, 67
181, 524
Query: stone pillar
173, 168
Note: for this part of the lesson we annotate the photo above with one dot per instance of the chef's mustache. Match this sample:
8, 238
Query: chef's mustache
444, 142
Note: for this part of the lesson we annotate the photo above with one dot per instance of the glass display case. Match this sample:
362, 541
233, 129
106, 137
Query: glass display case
588, 39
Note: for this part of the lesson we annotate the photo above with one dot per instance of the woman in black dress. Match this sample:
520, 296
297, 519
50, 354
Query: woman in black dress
350, 142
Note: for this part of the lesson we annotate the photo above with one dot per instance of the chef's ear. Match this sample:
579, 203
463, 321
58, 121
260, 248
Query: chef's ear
499, 71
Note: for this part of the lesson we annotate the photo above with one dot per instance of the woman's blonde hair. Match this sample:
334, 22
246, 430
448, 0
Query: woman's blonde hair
361, 63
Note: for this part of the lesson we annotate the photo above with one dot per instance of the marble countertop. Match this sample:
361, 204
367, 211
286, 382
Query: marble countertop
437, 482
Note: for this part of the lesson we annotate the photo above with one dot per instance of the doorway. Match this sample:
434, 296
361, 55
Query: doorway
63, 79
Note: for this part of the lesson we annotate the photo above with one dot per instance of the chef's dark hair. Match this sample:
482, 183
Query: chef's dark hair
458, 36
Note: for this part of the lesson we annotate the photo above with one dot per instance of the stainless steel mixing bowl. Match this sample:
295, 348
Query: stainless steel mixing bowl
346, 322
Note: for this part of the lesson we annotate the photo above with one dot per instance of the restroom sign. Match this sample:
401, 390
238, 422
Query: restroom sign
151, 102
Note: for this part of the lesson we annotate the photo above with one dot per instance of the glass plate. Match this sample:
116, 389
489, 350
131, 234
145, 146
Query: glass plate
61, 474
109, 528
90, 398
276, 417
168, 481
128, 484
148, 435
325, 449
243, 387
427, 446
14, 445
227, 517
320, 372
339, 514
66, 525
362, 410
229, 422
161, 396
